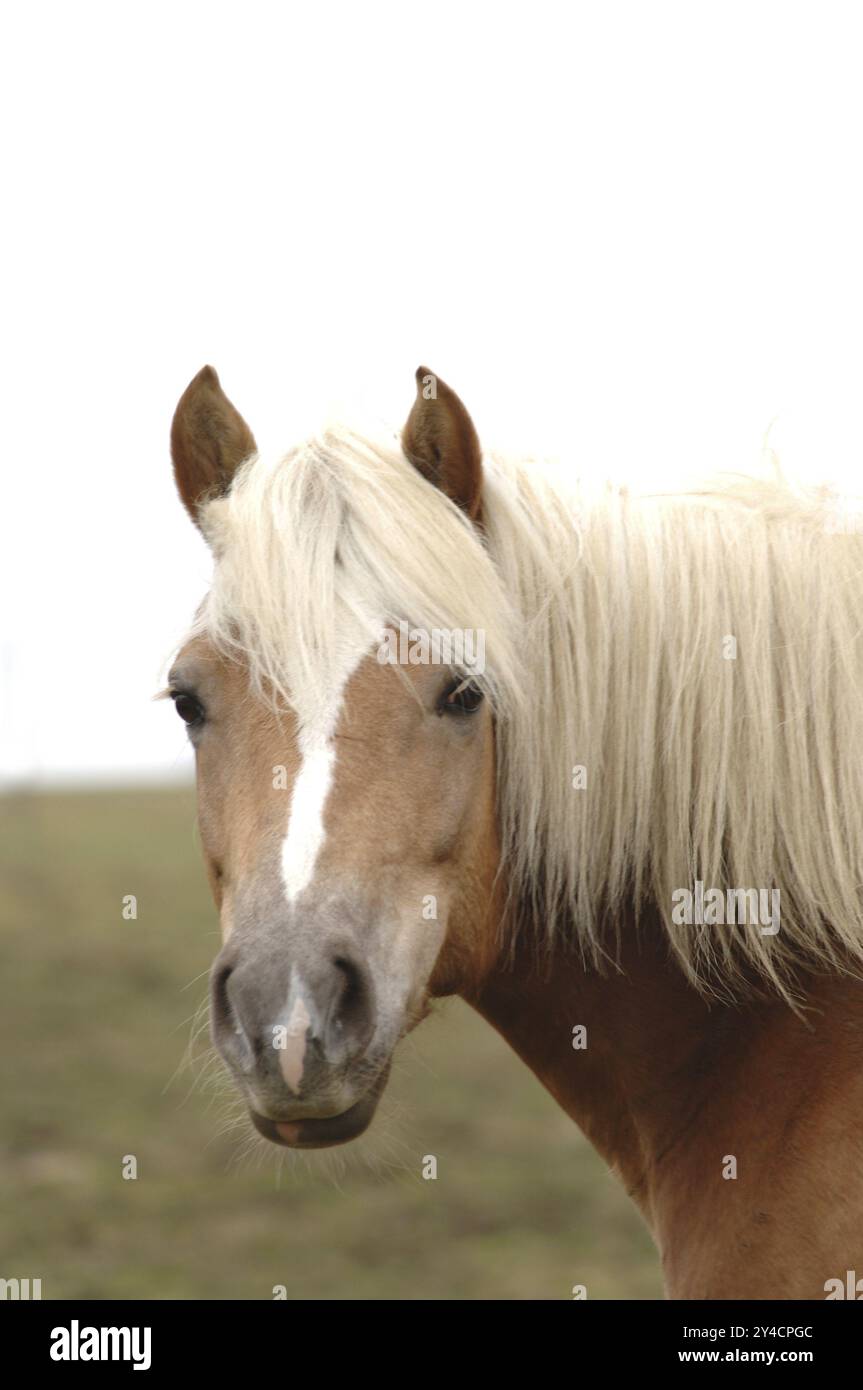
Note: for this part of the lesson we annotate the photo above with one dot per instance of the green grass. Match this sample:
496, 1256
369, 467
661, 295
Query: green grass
96, 1017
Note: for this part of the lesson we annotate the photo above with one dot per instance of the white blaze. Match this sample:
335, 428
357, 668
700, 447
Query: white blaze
305, 836
292, 1056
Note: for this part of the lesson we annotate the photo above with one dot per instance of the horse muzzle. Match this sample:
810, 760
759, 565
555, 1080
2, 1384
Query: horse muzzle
324, 1132
299, 1040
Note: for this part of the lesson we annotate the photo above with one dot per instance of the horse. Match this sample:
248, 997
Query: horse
667, 712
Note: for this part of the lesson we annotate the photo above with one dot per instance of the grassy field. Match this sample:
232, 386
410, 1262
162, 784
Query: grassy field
96, 1023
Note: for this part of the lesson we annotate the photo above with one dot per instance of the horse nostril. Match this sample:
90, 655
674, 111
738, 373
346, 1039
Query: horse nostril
227, 1031
352, 988
351, 1012
222, 1013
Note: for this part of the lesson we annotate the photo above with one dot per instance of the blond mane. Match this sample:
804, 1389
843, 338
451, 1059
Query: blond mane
699, 654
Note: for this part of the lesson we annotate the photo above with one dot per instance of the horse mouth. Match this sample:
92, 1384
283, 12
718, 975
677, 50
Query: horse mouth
323, 1133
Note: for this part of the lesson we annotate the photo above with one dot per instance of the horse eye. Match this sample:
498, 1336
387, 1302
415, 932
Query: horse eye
460, 697
190, 710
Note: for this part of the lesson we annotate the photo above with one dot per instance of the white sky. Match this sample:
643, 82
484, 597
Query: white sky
631, 231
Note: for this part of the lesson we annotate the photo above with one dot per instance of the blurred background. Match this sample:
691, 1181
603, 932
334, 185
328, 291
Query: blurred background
630, 234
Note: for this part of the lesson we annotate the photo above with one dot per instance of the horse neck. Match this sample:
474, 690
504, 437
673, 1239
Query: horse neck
669, 1088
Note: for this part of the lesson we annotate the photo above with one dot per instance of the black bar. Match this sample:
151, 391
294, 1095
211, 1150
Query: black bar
262, 1339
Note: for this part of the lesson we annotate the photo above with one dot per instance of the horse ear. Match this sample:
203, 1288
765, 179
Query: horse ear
441, 442
209, 441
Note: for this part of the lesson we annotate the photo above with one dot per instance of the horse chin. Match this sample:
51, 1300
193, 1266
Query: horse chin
327, 1132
